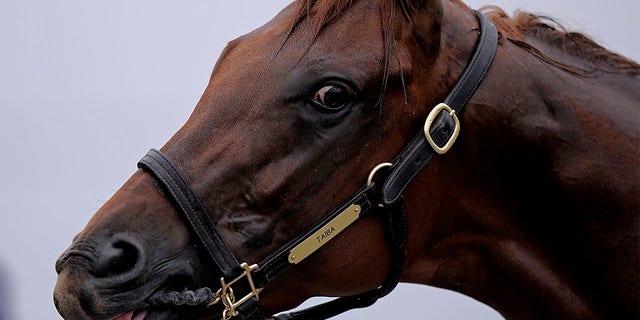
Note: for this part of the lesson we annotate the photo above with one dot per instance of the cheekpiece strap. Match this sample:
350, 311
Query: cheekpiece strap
442, 125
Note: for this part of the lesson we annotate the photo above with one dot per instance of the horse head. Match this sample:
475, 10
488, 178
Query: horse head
295, 117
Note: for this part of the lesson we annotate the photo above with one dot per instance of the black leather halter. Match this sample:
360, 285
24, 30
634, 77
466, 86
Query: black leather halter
440, 131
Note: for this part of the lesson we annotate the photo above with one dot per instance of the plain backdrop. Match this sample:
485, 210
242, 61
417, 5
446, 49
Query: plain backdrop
87, 87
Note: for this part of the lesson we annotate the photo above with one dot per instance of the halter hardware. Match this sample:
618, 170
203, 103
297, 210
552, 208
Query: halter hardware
226, 294
427, 128
375, 170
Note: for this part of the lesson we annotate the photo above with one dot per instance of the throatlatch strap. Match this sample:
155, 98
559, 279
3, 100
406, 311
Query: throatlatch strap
193, 211
419, 152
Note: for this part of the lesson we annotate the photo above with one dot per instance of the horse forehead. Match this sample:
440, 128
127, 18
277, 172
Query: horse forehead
282, 44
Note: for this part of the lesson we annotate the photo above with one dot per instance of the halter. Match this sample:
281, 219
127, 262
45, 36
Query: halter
440, 132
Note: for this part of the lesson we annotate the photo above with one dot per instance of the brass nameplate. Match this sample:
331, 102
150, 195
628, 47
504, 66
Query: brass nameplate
324, 234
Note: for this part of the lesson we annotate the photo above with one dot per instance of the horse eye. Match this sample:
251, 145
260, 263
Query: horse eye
333, 97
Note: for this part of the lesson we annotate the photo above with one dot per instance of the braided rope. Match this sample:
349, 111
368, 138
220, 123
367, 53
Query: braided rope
187, 298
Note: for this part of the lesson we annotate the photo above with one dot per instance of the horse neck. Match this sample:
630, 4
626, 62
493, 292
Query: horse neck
525, 214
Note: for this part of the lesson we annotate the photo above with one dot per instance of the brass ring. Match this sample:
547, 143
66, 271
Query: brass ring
376, 169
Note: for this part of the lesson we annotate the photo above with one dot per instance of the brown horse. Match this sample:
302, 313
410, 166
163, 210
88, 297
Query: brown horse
533, 211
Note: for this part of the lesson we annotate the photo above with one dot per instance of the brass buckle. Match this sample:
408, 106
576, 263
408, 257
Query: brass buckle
226, 296
427, 127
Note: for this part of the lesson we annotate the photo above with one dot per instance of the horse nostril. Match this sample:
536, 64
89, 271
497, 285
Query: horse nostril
117, 257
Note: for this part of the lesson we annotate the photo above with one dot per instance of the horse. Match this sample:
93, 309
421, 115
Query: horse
329, 156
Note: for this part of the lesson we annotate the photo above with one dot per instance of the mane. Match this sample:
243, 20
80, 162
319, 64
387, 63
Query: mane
516, 30
548, 30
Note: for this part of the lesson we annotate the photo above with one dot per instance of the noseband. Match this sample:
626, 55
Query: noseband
440, 132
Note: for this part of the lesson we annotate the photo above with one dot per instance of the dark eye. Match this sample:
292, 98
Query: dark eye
333, 97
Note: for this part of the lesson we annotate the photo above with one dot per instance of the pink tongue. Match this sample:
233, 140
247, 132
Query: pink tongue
129, 316
140, 315
126, 316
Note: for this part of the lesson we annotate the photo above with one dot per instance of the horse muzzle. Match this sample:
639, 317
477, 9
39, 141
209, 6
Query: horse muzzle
113, 277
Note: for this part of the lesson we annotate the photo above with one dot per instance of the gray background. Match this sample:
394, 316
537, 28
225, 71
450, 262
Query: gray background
78, 83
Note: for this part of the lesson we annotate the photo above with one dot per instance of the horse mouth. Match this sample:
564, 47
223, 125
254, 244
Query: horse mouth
164, 305
131, 296
164, 313
150, 314
148, 311
171, 304
133, 315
